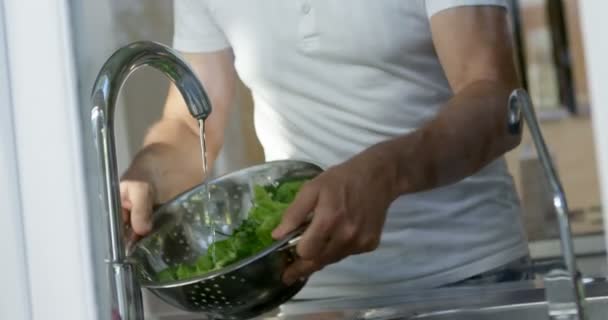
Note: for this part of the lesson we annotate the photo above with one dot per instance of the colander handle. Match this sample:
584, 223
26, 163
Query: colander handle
130, 236
290, 244
295, 236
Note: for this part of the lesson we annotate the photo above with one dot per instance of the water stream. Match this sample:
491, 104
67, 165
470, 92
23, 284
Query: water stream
208, 216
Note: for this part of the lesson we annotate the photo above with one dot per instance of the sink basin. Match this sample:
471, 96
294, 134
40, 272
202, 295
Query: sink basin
518, 300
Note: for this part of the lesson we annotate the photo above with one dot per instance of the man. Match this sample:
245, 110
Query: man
403, 102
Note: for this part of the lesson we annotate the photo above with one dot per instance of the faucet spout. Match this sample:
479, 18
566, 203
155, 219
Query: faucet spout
125, 289
144, 53
521, 104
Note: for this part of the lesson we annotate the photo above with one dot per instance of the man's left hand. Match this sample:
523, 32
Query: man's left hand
348, 204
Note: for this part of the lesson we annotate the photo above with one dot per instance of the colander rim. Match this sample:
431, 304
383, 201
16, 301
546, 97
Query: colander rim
168, 203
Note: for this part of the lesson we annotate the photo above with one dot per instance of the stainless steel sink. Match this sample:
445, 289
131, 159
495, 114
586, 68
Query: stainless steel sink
519, 301
597, 309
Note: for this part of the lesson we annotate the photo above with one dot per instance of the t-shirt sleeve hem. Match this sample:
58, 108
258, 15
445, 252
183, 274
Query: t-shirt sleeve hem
199, 45
435, 6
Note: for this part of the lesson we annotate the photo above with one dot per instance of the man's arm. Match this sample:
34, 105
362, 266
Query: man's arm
169, 161
349, 201
474, 46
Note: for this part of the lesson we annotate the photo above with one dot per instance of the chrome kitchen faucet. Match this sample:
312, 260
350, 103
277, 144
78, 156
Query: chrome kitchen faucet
126, 293
564, 289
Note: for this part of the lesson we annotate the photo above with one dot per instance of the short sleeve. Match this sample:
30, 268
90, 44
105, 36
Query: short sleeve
195, 29
435, 6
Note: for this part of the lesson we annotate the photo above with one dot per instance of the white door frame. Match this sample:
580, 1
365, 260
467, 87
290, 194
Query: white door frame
51, 267
14, 298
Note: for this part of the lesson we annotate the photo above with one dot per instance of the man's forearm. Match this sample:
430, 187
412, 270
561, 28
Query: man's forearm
469, 132
170, 159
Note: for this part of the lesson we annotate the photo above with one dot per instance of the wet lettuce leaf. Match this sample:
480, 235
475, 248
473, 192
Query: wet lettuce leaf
251, 237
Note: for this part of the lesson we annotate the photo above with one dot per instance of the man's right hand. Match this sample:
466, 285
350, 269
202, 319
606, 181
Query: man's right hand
137, 198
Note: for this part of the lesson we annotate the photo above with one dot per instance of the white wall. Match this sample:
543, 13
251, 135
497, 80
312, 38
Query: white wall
594, 26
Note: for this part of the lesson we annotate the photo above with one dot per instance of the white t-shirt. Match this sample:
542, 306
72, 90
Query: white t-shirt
330, 78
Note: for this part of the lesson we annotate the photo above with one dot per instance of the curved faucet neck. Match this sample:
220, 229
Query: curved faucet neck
127, 59
125, 289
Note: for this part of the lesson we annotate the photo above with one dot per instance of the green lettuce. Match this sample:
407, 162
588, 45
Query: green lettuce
252, 236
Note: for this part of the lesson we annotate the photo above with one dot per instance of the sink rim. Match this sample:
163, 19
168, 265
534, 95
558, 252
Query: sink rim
475, 299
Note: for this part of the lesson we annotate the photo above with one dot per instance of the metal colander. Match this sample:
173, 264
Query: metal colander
182, 233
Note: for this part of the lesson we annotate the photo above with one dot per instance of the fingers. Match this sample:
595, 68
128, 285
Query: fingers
348, 219
300, 269
126, 204
137, 198
317, 235
298, 211
339, 246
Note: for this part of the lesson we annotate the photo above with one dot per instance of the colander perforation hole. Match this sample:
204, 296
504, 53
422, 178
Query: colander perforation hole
207, 289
